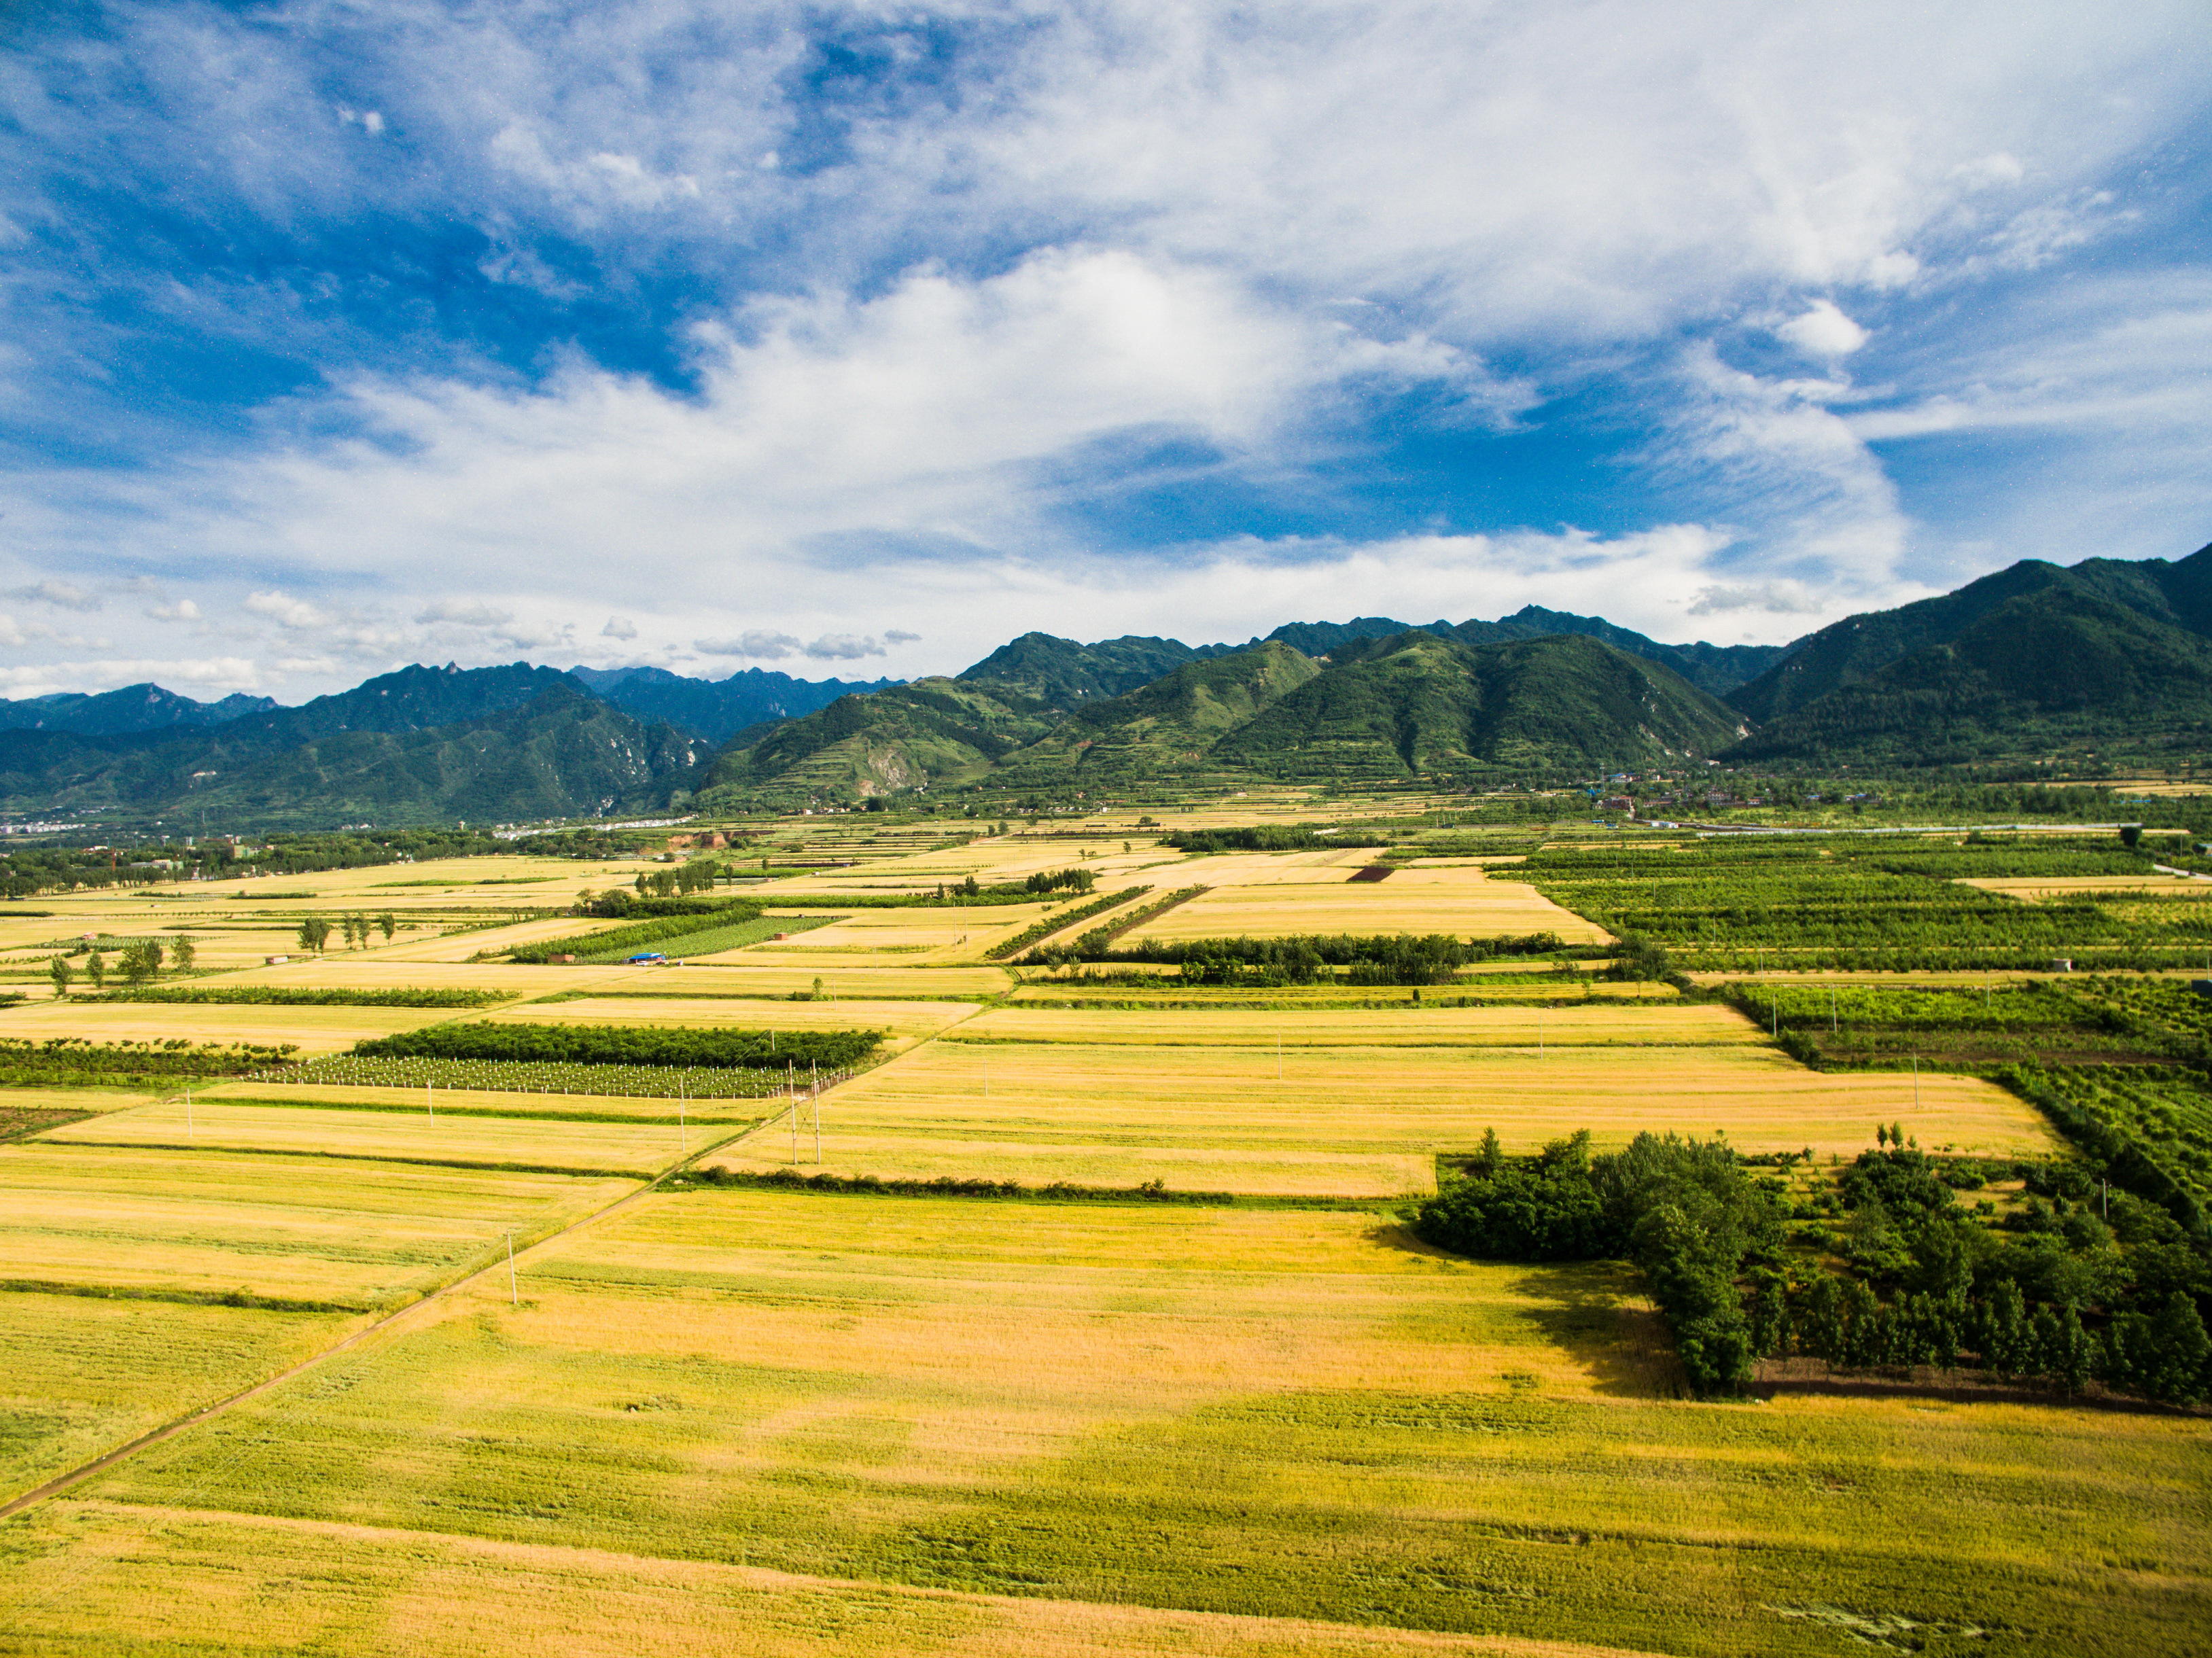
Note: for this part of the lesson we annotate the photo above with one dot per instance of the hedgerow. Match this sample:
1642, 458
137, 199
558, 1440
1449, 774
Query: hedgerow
1052, 924
639, 936
301, 996
633, 1045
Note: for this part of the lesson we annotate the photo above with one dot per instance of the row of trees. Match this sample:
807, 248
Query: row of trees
315, 929
137, 963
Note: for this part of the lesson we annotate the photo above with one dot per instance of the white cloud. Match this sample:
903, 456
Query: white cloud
899, 636
10, 634
758, 643
286, 611
1774, 598
226, 673
467, 613
63, 595
844, 647
619, 627
183, 611
1823, 332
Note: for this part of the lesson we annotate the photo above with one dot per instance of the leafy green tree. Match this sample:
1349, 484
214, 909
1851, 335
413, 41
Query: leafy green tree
183, 953
387, 925
95, 969
60, 971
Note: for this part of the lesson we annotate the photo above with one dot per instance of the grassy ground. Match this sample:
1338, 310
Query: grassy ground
1277, 1415
203, 1223
314, 1029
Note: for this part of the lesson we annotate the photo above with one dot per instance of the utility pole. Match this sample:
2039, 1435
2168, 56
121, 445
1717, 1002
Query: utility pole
188, 1111
430, 1099
1916, 1082
513, 1294
683, 1129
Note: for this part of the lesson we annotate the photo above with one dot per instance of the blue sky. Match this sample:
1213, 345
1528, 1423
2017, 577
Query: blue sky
858, 338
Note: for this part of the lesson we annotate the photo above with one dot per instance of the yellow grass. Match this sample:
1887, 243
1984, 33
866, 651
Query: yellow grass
459, 946
76, 1099
1167, 991
1347, 1120
250, 1585
314, 1029
532, 1142
841, 979
353, 971
1459, 902
499, 1103
303, 1228
1404, 1026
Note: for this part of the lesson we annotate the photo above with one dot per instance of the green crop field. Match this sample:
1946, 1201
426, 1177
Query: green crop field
1252, 1415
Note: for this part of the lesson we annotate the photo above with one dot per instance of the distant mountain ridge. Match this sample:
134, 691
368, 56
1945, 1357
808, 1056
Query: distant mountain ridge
717, 709
133, 708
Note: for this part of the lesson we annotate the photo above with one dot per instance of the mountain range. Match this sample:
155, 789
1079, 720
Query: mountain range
2097, 664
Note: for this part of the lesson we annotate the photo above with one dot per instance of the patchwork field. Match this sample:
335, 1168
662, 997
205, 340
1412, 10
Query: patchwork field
478, 1142
1282, 1415
897, 1020
295, 1230
1343, 1120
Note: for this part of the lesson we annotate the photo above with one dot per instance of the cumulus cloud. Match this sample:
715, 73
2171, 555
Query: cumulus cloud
619, 627
1823, 332
183, 609
758, 643
899, 636
844, 647
286, 611
466, 613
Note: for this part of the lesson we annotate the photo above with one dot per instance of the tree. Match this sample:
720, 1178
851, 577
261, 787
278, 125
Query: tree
387, 925
2130, 834
140, 961
95, 969
62, 973
314, 933
183, 954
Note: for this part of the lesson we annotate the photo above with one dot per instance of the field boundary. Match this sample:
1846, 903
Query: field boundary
76, 1476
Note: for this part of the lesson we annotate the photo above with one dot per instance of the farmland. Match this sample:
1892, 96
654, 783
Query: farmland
823, 1387
1162, 1368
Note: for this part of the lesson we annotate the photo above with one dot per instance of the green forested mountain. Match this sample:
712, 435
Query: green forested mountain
420, 745
1061, 672
717, 709
1386, 710
1418, 705
1167, 727
2105, 656
931, 731
133, 708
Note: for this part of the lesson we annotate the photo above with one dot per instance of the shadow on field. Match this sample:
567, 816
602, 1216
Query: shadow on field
1597, 1311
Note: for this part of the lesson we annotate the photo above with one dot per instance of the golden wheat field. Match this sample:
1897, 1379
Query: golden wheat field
906, 1020
1291, 1415
530, 1143
311, 1030
569, 1104
1473, 908
1406, 1025
81, 1375
1328, 1120
297, 1228
910, 936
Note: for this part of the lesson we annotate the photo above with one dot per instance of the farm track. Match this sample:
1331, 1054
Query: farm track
391, 1321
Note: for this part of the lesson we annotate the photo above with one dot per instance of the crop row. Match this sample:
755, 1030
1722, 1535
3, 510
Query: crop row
1052, 924
302, 996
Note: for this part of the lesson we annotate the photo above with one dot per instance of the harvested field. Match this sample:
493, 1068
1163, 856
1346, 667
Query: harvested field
314, 1029
844, 978
950, 934
1195, 1117
408, 1099
1167, 991
591, 1147
79, 1375
1467, 906
206, 1223
1254, 1414
1406, 1026
907, 1020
